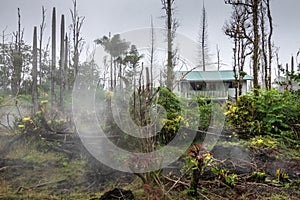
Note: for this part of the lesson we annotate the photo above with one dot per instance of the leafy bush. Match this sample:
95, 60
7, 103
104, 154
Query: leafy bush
204, 109
205, 113
198, 113
271, 113
171, 104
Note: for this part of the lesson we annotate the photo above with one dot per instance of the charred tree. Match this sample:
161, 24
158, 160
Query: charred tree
53, 60
40, 51
34, 73
17, 58
62, 63
77, 22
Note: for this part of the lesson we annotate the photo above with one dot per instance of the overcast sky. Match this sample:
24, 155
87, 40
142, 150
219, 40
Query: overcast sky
117, 16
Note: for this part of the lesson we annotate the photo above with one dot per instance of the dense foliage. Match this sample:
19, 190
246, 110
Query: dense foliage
271, 113
171, 104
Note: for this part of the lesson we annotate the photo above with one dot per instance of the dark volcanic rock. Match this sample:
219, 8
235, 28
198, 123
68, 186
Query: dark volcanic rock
118, 194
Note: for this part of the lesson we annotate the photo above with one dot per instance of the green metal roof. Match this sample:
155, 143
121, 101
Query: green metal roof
224, 75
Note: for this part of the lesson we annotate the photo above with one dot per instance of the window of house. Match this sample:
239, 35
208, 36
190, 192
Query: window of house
229, 84
212, 86
198, 85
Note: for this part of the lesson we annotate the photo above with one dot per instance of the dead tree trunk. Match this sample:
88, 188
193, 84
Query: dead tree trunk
76, 26
152, 55
42, 28
270, 42
34, 73
171, 28
264, 64
17, 60
255, 10
53, 61
66, 68
62, 63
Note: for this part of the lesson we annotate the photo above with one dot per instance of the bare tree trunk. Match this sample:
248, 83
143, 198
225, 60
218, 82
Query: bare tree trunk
120, 74
235, 60
111, 74
171, 26
17, 59
152, 55
270, 42
53, 61
115, 72
203, 36
170, 46
218, 58
34, 73
255, 10
42, 28
66, 69
77, 23
62, 63
263, 47
240, 54
148, 84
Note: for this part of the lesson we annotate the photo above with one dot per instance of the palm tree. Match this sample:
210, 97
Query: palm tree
116, 47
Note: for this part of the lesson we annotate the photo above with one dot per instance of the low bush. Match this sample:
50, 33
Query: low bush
270, 113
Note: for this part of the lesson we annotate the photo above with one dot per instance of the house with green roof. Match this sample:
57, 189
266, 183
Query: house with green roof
215, 84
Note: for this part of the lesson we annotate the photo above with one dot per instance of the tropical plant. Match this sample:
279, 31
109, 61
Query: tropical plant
271, 113
224, 176
171, 104
197, 160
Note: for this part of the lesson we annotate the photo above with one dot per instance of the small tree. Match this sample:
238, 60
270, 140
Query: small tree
116, 47
238, 30
252, 8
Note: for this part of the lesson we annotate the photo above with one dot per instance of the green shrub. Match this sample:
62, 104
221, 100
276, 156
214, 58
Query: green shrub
271, 113
205, 113
171, 104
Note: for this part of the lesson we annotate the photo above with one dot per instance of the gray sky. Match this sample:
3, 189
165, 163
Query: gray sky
117, 16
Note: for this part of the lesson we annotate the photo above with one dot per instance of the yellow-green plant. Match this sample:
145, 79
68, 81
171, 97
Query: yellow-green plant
224, 176
263, 141
258, 177
269, 113
282, 177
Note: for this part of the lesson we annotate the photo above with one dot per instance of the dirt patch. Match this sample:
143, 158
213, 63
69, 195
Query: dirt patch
56, 165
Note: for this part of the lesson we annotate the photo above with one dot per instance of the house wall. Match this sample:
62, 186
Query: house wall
184, 87
244, 88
